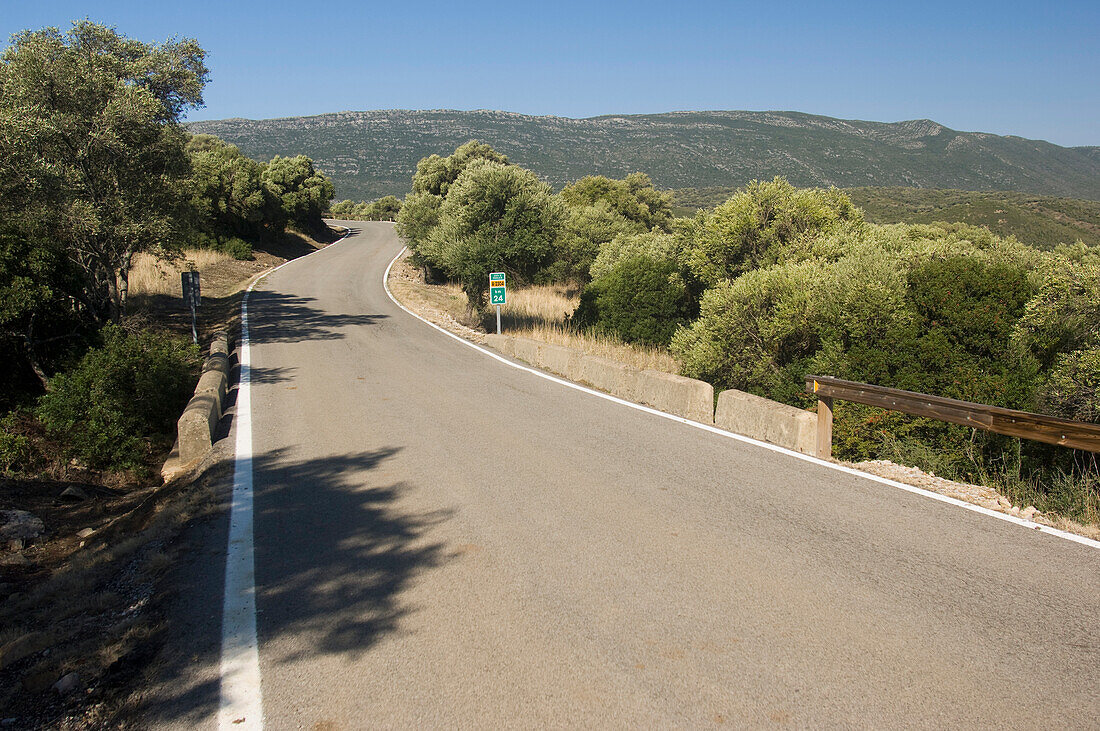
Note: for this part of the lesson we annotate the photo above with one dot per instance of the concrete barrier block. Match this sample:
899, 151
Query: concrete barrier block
197, 425
607, 375
220, 344
559, 359
526, 350
503, 344
767, 420
212, 383
217, 362
677, 395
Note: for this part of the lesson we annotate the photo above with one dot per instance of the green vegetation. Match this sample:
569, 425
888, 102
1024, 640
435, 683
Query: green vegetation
777, 282
493, 217
641, 299
386, 208
1041, 221
96, 168
122, 398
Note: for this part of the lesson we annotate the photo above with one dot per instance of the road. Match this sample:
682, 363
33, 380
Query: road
444, 540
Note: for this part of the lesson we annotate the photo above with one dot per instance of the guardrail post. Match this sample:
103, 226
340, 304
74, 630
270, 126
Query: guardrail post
824, 427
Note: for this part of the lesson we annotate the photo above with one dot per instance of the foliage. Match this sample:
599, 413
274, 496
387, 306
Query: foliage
122, 398
17, 452
386, 208
228, 196
740, 234
655, 245
435, 175
90, 142
641, 299
495, 217
634, 198
1072, 390
584, 233
303, 191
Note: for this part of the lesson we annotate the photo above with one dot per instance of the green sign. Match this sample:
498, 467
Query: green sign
497, 290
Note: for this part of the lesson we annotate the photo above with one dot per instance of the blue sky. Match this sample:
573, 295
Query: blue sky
1004, 67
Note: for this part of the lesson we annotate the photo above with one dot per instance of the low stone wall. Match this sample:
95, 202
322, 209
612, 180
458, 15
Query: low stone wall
766, 420
684, 397
199, 423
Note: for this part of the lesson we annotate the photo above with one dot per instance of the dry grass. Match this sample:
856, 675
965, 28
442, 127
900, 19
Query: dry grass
605, 346
541, 313
151, 275
537, 306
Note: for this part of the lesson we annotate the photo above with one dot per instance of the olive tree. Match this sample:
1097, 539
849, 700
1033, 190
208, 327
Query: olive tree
90, 138
495, 217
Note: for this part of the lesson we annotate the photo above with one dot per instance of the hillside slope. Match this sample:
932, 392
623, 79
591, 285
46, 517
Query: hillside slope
369, 154
1042, 221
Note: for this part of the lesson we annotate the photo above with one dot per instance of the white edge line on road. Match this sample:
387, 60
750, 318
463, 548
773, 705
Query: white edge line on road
738, 437
241, 702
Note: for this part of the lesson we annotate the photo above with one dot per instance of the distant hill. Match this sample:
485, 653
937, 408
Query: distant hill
1041, 221
370, 154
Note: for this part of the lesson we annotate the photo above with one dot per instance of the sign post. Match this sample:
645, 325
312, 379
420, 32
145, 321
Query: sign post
192, 297
497, 293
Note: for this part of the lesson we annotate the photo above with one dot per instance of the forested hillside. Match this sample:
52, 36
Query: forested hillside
372, 154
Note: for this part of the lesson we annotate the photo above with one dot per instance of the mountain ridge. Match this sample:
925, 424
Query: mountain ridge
374, 153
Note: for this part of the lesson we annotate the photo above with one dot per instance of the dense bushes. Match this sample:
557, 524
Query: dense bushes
122, 399
641, 299
386, 208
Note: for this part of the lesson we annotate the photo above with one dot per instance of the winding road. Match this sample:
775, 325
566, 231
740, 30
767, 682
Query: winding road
442, 540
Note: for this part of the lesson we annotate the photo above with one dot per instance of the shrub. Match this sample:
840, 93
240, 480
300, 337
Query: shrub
122, 399
16, 451
237, 248
641, 299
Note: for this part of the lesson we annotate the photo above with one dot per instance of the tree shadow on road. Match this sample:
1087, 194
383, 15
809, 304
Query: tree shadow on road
275, 317
332, 558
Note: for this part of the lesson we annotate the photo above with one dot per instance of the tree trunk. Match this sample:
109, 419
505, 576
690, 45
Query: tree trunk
32, 359
124, 281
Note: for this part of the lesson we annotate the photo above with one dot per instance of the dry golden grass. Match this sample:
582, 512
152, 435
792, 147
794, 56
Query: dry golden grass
537, 306
541, 313
151, 275
639, 357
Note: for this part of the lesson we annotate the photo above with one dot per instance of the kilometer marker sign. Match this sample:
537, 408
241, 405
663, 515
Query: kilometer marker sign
497, 289
497, 294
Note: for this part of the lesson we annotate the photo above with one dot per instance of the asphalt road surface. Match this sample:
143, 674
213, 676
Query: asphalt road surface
444, 540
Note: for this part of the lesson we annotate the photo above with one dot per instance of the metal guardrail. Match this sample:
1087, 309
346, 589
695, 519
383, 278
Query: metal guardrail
1023, 424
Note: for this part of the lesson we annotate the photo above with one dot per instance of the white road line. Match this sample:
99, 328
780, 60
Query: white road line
748, 440
241, 705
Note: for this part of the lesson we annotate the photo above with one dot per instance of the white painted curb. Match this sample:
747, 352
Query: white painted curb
747, 440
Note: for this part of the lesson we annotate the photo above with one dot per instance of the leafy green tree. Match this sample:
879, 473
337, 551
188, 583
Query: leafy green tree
585, 231
419, 213
122, 398
738, 235
386, 208
89, 132
227, 191
495, 217
634, 198
303, 191
435, 175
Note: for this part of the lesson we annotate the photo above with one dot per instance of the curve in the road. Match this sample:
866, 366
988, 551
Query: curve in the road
739, 437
